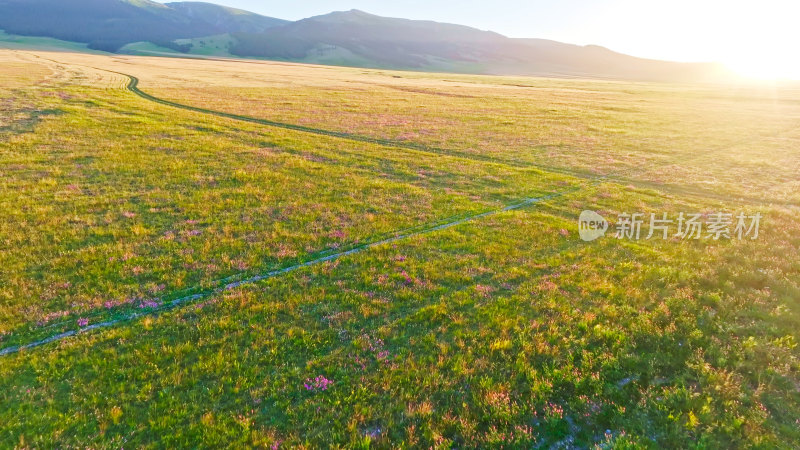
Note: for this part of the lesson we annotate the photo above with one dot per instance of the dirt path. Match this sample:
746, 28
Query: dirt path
235, 281
620, 177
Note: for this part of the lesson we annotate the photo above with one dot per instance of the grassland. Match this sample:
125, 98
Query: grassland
504, 331
16, 42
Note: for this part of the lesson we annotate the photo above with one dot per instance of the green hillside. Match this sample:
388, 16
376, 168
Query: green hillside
12, 41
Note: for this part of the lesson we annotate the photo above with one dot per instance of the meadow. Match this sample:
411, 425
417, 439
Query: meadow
448, 301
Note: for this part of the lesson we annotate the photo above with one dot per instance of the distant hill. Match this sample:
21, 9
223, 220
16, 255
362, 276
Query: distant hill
110, 24
361, 39
545, 57
384, 41
350, 38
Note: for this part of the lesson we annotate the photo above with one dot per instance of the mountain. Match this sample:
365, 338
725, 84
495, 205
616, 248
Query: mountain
110, 24
357, 38
349, 38
545, 57
225, 18
398, 43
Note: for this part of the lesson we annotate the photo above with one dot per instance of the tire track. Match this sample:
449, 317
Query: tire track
619, 177
230, 283
133, 86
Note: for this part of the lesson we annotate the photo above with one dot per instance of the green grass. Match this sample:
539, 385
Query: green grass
147, 49
707, 138
504, 331
16, 42
179, 205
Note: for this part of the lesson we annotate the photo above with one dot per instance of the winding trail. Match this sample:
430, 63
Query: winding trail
133, 86
619, 177
622, 177
237, 280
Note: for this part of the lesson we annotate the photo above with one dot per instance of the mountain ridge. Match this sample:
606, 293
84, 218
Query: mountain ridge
349, 38
225, 17
107, 24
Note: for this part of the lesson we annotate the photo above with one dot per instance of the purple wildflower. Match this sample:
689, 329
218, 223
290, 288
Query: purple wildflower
83, 322
319, 383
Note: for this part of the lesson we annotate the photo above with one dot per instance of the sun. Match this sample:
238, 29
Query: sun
762, 42
768, 65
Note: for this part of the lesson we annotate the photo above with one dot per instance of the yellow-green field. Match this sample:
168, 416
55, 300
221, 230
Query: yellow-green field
206, 253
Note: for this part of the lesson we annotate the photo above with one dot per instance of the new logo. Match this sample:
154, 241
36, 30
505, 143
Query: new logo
592, 226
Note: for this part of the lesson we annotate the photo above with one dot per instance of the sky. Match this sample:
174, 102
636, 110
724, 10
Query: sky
756, 36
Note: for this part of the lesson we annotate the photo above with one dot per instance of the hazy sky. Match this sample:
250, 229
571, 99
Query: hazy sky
732, 31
